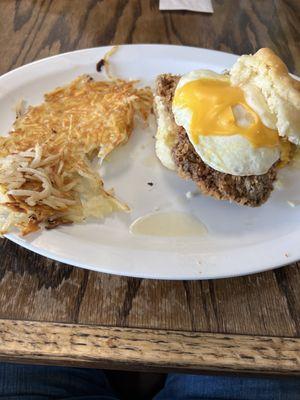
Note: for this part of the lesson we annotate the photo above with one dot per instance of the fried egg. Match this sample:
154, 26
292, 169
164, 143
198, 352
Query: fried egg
232, 130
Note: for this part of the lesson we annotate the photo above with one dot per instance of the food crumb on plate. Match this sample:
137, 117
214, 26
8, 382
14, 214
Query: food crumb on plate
100, 64
190, 194
293, 203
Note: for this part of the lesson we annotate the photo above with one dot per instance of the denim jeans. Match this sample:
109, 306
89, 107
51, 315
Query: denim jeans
27, 382
196, 387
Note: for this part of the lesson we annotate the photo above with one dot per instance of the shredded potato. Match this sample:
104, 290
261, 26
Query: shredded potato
46, 174
107, 62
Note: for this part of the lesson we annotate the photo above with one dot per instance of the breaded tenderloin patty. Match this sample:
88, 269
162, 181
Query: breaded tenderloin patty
245, 190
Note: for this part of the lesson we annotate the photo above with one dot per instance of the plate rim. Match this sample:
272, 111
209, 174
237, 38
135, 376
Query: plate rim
108, 47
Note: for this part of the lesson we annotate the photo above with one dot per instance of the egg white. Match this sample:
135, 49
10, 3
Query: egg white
233, 154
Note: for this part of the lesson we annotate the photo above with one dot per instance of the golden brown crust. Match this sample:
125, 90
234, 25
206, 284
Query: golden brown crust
278, 72
46, 172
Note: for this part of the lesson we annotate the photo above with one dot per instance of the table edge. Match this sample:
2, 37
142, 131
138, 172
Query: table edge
146, 349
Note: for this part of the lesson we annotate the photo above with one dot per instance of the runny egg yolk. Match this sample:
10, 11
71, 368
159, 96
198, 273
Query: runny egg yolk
211, 103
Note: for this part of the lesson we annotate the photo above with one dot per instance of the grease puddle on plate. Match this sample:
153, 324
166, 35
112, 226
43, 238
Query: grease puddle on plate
170, 224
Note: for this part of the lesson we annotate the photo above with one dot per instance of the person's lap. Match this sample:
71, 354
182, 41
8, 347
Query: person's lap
26, 382
198, 387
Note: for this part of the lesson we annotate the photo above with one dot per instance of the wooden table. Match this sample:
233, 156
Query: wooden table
54, 313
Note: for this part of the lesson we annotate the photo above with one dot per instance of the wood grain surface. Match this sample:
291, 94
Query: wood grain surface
96, 346
35, 288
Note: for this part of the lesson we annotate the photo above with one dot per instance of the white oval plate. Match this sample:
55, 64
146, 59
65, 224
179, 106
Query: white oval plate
239, 241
